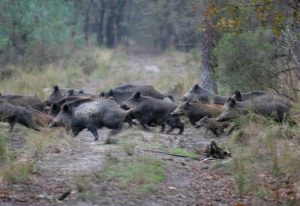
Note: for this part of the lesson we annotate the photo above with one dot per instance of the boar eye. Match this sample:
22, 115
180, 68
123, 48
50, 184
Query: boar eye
66, 108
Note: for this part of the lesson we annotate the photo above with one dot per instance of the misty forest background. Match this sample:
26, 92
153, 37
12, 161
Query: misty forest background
244, 45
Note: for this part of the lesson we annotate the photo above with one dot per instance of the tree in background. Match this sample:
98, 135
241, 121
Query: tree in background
282, 18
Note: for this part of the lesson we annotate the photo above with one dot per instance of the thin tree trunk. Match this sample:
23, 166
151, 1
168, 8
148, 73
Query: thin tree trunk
207, 68
119, 19
110, 25
100, 35
87, 23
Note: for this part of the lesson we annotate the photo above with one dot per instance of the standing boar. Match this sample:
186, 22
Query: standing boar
151, 111
91, 114
196, 111
233, 109
199, 94
211, 124
122, 93
24, 101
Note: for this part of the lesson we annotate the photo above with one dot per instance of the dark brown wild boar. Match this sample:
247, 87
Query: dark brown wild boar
213, 125
122, 93
41, 119
151, 111
200, 94
196, 111
24, 101
234, 109
15, 114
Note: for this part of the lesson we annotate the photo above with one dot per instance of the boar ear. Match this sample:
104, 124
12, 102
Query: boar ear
110, 92
137, 95
55, 89
66, 108
54, 106
81, 92
101, 94
70, 92
188, 102
232, 102
238, 95
196, 87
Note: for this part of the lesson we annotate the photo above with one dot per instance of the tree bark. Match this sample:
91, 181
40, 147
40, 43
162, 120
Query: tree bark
209, 41
100, 35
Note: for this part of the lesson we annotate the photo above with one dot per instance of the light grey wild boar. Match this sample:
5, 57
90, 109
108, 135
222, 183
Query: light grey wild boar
96, 114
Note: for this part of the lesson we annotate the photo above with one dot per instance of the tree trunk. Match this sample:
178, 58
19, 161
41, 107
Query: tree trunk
110, 25
119, 19
100, 35
87, 23
209, 40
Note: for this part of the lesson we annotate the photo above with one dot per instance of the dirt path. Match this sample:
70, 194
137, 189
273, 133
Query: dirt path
187, 181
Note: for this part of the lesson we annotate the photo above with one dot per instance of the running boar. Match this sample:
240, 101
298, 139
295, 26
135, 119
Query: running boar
122, 93
91, 114
211, 124
16, 114
24, 101
56, 106
151, 111
199, 94
196, 111
41, 119
234, 109
58, 93
249, 95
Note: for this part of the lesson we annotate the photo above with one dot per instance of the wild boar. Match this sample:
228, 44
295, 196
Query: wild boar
249, 95
122, 93
196, 111
211, 124
58, 93
24, 101
56, 106
41, 119
91, 114
199, 94
16, 114
233, 109
151, 111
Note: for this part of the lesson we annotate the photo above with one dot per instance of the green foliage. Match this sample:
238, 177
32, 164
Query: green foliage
35, 29
139, 175
18, 171
3, 146
183, 152
245, 61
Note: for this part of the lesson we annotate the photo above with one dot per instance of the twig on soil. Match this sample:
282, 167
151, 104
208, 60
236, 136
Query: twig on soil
166, 153
64, 195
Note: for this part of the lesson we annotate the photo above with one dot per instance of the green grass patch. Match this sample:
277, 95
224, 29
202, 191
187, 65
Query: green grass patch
139, 175
17, 172
3, 146
183, 152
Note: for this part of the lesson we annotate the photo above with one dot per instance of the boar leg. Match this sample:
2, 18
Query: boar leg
11, 126
163, 127
93, 130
